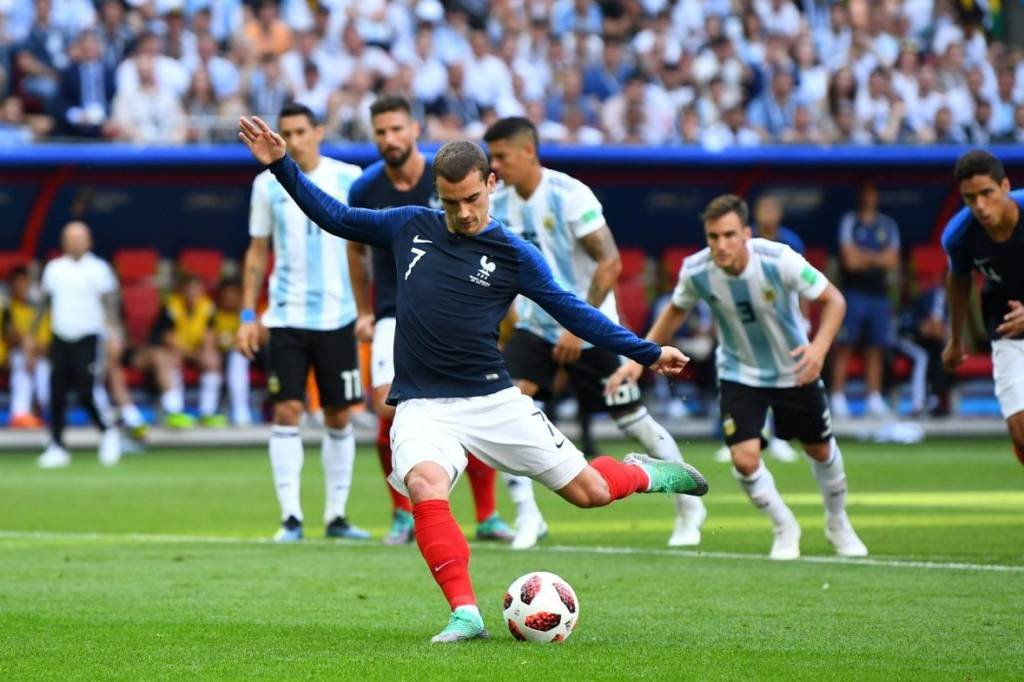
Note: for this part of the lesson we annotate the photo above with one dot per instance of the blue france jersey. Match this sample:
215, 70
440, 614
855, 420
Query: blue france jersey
374, 189
454, 291
970, 248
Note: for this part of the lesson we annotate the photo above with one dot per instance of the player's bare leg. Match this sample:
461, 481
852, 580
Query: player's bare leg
444, 548
166, 364
606, 480
827, 466
211, 379
338, 454
658, 442
1015, 424
401, 531
286, 457
759, 485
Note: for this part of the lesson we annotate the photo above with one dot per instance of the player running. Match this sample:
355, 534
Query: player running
400, 178
764, 360
311, 317
561, 216
458, 272
988, 236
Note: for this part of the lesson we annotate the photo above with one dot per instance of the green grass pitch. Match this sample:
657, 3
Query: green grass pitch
157, 569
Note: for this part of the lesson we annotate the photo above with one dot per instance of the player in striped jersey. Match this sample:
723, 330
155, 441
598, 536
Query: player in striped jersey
562, 217
765, 360
311, 318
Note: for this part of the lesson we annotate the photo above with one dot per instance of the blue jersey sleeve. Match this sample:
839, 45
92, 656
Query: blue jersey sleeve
956, 244
538, 284
356, 224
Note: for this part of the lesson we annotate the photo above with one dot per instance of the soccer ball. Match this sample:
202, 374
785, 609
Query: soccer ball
541, 607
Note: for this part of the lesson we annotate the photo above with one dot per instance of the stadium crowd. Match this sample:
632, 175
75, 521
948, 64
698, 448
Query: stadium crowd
716, 73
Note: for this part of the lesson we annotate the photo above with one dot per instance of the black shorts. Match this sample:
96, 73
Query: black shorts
333, 355
528, 357
800, 412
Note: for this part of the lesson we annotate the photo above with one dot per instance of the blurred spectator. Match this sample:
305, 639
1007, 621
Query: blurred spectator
1004, 103
369, 58
605, 78
43, 54
170, 74
150, 113
779, 16
86, 90
178, 41
114, 31
768, 223
313, 92
572, 16
923, 335
18, 127
1017, 133
29, 366
183, 333
268, 90
869, 250
488, 79
225, 325
267, 33
455, 109
431, 76
640, 112
222, 74
731, 131
773, 112
576, 129
804, 129
211, 119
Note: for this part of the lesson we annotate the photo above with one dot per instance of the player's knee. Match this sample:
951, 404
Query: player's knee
746, 460
427, 481
288, 412
819, 452
336, 417
587, 491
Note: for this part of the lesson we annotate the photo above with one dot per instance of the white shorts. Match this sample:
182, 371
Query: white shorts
382, 365
1008, 371
505, 430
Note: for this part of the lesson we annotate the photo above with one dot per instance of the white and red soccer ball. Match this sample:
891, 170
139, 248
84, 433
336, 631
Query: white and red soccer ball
541, 607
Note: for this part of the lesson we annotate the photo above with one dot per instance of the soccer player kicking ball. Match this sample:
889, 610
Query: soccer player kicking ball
458, 272
764, 361
988, 236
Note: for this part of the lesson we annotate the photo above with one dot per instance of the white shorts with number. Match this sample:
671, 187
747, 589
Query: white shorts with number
382, 370
505, 430
1008, 371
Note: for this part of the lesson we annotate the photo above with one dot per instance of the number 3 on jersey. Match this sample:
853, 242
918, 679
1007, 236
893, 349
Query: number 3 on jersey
419, 253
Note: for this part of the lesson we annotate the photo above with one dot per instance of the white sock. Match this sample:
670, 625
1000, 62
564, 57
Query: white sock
831, 477
760, 487
286, 465
101, 399
209, 393
132, 416
338, 453
42, 380
520, 489
469, 608
238, 388
21, 384
172, 402
659, 443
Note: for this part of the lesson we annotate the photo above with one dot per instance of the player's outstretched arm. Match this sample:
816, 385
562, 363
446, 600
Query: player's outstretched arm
811, 357
669, 320
537, 283
357, 224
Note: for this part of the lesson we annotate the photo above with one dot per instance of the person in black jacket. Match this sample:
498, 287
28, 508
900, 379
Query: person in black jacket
85, 90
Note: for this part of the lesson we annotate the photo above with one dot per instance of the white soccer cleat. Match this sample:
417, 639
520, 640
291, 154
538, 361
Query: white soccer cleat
529, 530
53, 457
110, 447
782, 450
687, 529
723, 455
844, 539
786, 545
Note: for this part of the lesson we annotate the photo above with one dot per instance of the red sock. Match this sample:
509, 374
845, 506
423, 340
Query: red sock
623, 479
481, 480
445, 550
1019, 451
398, 500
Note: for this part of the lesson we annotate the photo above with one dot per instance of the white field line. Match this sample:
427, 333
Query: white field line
557, 549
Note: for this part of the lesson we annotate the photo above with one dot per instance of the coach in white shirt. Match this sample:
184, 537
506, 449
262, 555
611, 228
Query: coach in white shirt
80, 291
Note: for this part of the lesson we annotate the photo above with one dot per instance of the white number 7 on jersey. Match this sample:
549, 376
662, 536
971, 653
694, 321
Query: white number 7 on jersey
420, 253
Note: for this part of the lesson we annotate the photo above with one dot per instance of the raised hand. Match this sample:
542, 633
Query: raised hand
266, 145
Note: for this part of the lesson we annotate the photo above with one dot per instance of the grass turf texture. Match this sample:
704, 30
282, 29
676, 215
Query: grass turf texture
154, 570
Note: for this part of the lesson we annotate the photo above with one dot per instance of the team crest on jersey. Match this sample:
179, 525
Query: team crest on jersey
549, 223
728, 425
769, 295
483, 274
434, 202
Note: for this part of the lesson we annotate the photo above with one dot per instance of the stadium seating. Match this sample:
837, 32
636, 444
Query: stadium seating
141, 306
634, 264
136, 265
10, 260
928, 263
203, 263
672, 259
633, 305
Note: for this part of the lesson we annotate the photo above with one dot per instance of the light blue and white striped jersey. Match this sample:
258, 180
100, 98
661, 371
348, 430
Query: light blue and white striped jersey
757, 318
310, 286
560, 212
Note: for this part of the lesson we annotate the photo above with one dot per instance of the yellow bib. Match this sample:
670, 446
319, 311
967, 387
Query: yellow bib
190, 326
225, 326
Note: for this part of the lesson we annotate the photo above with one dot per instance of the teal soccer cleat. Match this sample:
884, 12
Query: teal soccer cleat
462, 626
669, 477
